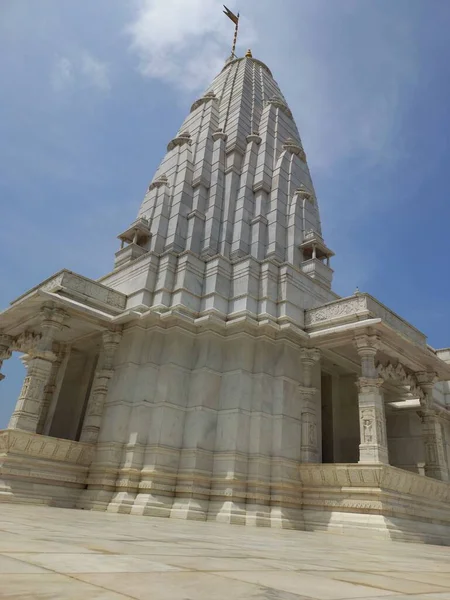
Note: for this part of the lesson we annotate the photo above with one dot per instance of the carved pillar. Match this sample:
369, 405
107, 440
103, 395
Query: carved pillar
49, 390
103, 374
5, 350
310, 451
372, 419
433, 441
39, 366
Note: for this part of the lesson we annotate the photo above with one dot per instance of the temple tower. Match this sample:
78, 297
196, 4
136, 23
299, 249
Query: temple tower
204, 417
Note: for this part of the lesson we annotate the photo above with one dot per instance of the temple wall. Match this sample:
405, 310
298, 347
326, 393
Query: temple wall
261, 288
204, 425
405, 443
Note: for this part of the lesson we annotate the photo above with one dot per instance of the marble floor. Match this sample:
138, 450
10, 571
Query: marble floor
50, 553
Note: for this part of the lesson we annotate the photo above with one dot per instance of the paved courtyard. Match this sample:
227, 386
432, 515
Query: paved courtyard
58, 554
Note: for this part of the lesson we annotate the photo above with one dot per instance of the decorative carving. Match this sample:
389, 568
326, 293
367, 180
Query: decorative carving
367, 420
362, 305
71, 282
305, 195
369, 384
254, 137
26, 342
290, 145
203, 100
399, 375
279, 103
5, 349
22, 442
335, 310
180, 140
219, 135
159, 182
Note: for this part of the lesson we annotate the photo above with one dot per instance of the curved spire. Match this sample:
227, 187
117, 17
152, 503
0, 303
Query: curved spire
232, 174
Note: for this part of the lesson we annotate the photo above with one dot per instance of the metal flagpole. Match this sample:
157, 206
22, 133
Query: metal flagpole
235, 19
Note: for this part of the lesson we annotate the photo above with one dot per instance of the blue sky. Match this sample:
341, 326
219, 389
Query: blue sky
92, 92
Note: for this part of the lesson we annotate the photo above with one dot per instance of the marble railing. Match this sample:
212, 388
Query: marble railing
355, 308
14, 442
318, 270
81, 288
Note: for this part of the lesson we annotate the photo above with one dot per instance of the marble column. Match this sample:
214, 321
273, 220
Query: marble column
5, 350
103, 374
49, 391
39, 364
372, 419
310, 451
433, 440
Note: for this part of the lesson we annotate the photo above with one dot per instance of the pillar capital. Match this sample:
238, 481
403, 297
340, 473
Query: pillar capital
367, 344
6, 342
110, 342
426, 379
5, 349
310, 355
367, 385
52, 322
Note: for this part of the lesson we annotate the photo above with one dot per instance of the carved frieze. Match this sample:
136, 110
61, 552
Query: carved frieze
16, 442
398, 374
335, 310
362, 305
78, 285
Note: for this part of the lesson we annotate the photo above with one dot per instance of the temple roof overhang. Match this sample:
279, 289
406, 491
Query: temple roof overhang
332, 327
90, 306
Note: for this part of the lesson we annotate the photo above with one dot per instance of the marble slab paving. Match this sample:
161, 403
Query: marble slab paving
59, 554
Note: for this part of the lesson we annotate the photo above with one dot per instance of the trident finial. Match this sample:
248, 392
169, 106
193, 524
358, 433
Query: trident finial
235, 19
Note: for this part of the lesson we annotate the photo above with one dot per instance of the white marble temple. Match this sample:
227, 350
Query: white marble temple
213, 374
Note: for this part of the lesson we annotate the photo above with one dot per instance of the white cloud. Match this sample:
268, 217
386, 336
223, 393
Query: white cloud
183, 43
62, 75
95, 72
83, 70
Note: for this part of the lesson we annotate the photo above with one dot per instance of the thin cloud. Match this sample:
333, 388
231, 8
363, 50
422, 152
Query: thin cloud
62, 74
182, 43
84, 70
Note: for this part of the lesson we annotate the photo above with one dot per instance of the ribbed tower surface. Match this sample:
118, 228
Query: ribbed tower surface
233, 186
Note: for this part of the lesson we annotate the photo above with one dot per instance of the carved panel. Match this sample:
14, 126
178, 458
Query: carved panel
44, 447
362, 304
86, 287
336, 310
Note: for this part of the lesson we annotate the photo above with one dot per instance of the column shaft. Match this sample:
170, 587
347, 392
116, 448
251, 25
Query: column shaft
372, 422
372, 418
39, 367
103, 374
310, 451
28, 408
435, 463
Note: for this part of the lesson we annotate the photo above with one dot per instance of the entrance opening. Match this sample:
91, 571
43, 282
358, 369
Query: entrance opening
340, 418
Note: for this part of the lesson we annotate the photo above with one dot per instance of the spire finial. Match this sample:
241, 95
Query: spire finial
248, 54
